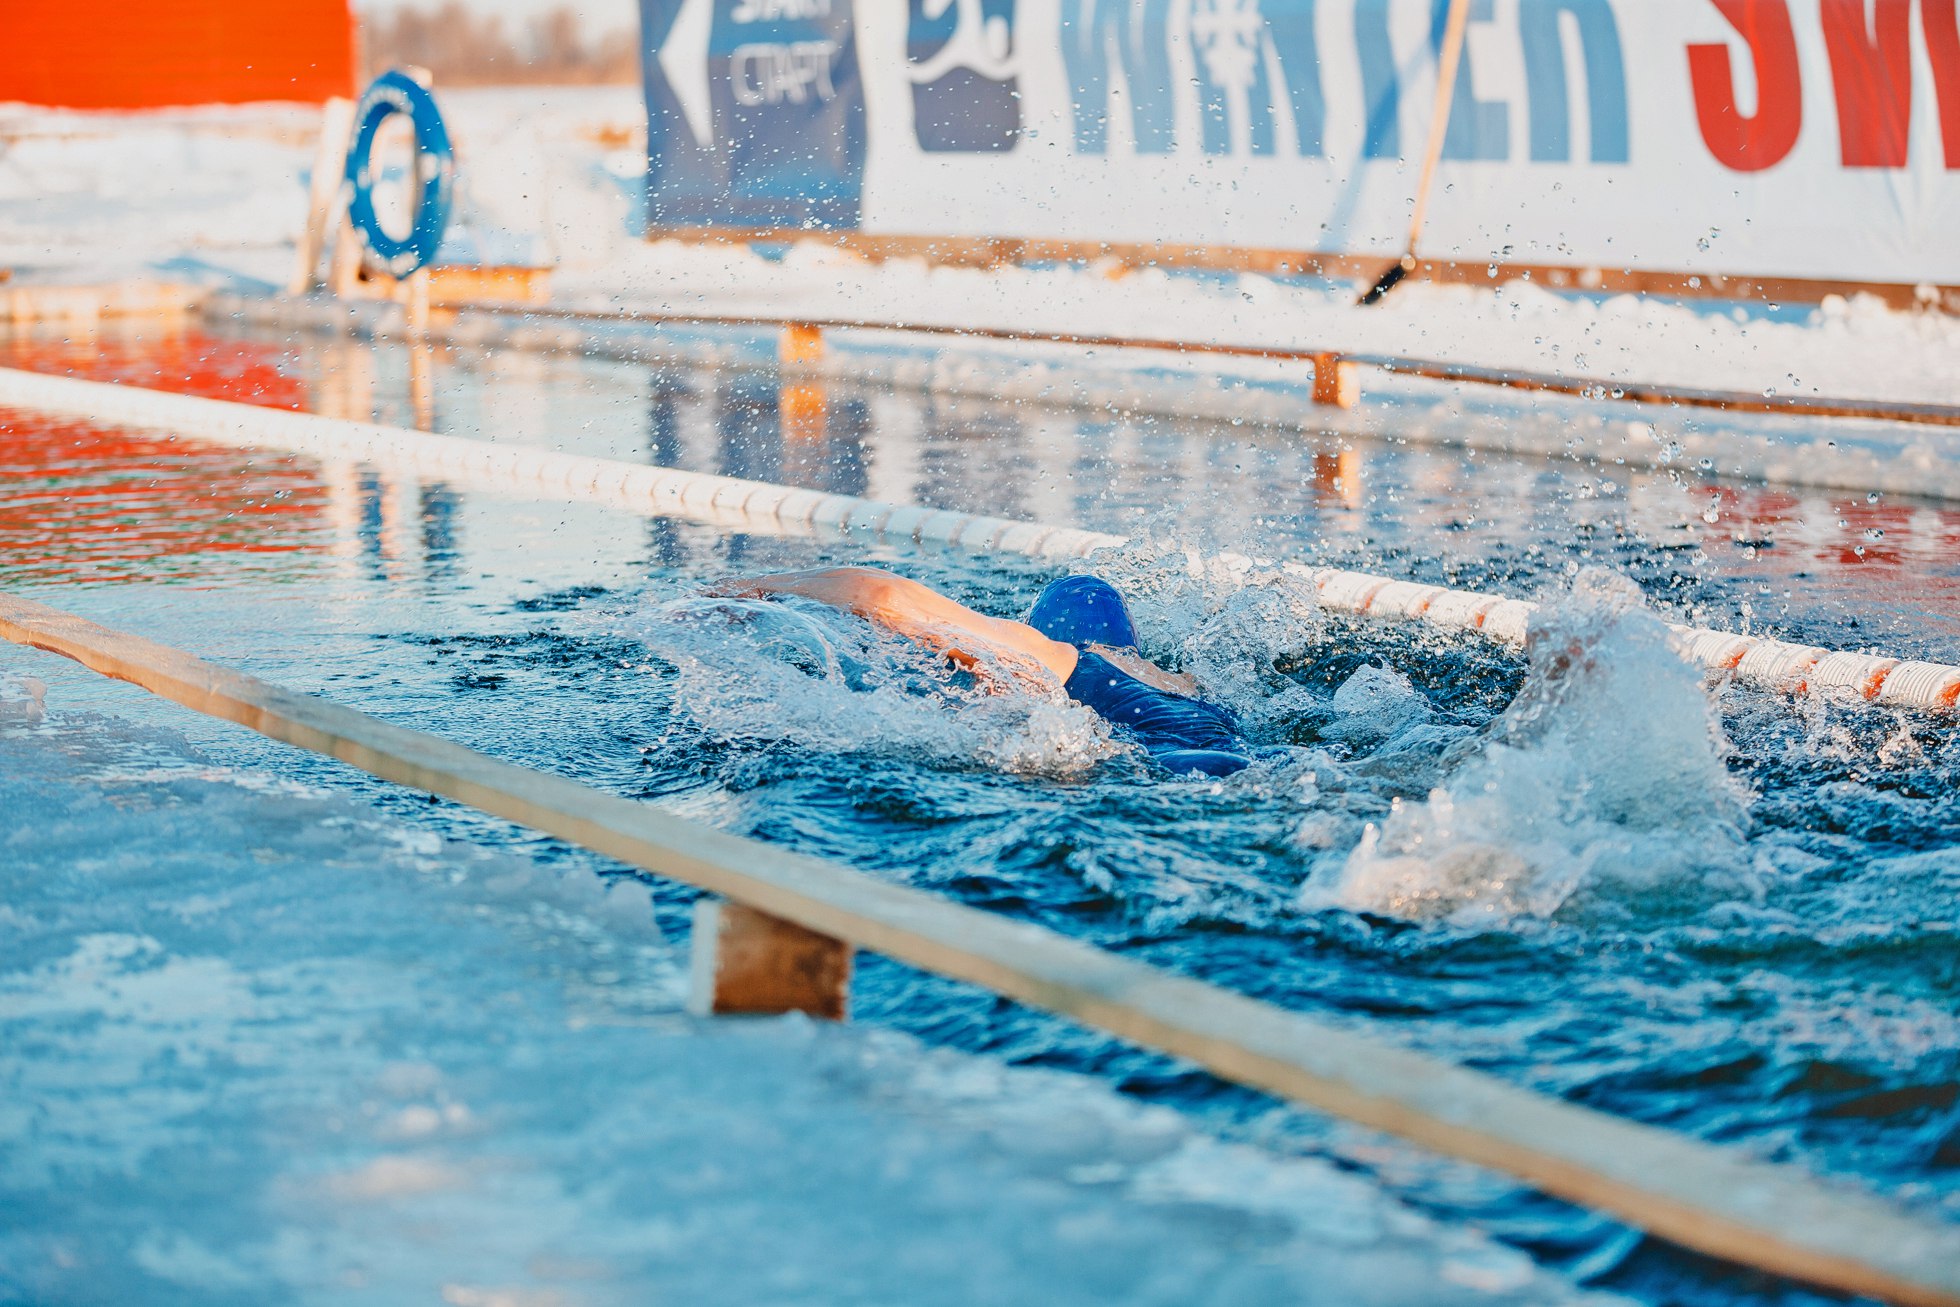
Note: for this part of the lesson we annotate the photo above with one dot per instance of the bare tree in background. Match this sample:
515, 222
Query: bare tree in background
465, 48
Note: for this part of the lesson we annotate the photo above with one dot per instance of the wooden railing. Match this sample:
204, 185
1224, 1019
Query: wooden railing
1335, 380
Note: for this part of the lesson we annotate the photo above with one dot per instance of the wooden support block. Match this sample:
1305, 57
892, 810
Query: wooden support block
1336, 382
747, 961
451, 284
801, 343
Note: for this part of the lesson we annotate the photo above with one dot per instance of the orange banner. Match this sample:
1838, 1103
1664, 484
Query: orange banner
114, 54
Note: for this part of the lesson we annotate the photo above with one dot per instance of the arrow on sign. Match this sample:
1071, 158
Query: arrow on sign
684, 61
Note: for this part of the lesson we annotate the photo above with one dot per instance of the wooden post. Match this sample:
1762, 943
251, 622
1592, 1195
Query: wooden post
413, 292
803, 404
422, 382
801, 344
1336, 381
344, 269
748, 962
1338, 473
326, 204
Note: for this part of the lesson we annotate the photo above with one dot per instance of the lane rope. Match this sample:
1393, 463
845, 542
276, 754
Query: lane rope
764, 507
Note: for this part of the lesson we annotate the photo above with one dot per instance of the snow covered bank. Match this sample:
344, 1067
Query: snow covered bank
554, 175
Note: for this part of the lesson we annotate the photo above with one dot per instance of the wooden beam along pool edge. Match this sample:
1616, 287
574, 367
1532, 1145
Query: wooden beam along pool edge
764, 507
1693, 1194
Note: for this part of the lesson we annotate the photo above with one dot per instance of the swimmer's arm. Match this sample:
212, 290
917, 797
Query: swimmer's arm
914, 611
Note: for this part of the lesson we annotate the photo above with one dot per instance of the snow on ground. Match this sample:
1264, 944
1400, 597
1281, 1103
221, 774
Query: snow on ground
183, 195
266, 1044
553, 175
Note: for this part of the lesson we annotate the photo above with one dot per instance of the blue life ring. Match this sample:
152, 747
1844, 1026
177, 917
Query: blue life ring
435, 165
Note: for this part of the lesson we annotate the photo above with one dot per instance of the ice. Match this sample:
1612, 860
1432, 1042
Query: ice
259, 1043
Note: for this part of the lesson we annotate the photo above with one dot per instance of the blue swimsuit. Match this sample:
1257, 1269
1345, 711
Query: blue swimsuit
1183, 734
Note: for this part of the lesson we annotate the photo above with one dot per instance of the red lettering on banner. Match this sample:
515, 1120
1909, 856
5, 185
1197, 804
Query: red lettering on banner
1871, 71
1762, 139
1943, 44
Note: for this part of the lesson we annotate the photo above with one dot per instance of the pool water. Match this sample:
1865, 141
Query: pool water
1719, 911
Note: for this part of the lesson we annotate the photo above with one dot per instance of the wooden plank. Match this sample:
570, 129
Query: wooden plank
1714, 1200
84, 307
453, 284
1637, 392
1336, 381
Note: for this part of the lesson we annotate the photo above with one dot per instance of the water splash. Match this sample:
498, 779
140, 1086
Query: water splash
1236, 651
1602, 788
1172, 590
793, 670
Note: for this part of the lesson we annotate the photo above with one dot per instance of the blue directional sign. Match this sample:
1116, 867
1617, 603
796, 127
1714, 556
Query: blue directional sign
755, 113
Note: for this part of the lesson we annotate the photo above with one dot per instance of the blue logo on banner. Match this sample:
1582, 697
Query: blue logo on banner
1257, 74
962, 64
755, 113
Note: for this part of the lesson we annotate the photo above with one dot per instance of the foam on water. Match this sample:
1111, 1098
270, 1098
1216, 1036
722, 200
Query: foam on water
1602, 790
794, 670
1604, 785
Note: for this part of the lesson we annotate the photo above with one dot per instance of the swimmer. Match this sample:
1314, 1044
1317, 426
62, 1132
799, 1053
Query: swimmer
1079, 631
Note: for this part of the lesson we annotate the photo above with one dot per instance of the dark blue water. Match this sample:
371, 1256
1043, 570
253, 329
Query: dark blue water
1712, 910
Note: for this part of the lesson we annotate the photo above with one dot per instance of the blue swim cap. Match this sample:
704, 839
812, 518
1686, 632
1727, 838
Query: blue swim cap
1083, 610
